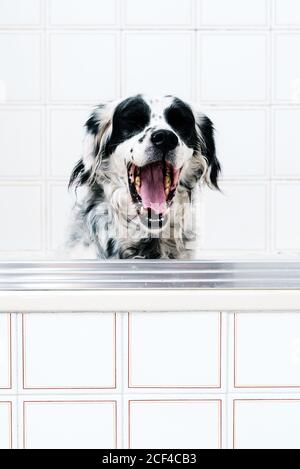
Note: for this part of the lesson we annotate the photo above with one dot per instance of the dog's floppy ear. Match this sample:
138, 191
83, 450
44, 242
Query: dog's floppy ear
97, 131
207, 145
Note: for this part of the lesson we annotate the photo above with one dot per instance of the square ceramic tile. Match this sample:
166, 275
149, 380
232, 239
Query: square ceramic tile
20, 13
84, 354
233, 12
22, 232
286, 70
287, 13
166, 76
59, 216
75, 72
87, 13
275, 359
21, 156
266, 424
242, 141
286, 142
5, 351
66, 130
235, 219
156, 360
70, 424
23, 60
158, 13
287, 225
233, 67
170, 424
5, 425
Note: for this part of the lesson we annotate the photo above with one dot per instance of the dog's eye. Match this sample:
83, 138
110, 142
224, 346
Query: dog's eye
180, 120
134, 121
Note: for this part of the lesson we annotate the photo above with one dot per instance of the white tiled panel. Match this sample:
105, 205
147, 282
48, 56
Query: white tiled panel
267, 350
20, 70
66, 136
20, 12
287, 142
87, 13
70, 425
235, 219
158, 13
242, 141
168, 50
286, 69
5, 351
174, 350
267, 424
60, 204
5, 425
22, 156
83, 355
22, 232
232, 67
83, 67
175, 424
287, 12
233, 12
287, 224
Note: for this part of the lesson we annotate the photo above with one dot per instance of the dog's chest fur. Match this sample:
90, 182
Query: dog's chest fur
102, 227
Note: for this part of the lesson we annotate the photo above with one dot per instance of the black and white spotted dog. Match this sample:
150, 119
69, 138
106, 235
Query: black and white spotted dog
142, 162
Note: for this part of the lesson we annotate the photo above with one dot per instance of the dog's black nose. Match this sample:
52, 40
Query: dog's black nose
165, 140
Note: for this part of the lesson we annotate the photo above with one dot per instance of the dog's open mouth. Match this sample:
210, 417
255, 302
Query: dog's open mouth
152, 189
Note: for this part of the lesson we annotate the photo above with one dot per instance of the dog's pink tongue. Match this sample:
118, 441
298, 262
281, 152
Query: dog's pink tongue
152, 188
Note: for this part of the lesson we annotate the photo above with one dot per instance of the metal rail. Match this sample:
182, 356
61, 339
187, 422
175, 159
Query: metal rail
128, 275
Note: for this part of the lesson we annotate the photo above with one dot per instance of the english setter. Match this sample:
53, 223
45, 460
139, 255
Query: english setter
142, 162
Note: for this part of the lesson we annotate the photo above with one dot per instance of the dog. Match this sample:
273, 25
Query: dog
143, 160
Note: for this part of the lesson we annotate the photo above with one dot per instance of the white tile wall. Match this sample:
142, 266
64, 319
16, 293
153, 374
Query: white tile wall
5, 352
244, 154
286, 70
233, 67
196, 363
20, 13
241, 210
234, 13
22, 232
274, 341
266, 423
83, 58
58, 216
141, 13
175, 423
168, 49
287, 225
21, 68
287, 13
96, 13
84, 353
69, 424
23, 156
286, 143
5, 425
65, 139
93, 380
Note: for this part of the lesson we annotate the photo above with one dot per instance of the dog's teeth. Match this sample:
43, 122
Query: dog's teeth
168, 181
137, 181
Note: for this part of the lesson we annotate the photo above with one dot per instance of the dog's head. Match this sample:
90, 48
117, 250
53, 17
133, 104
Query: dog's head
149, 149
